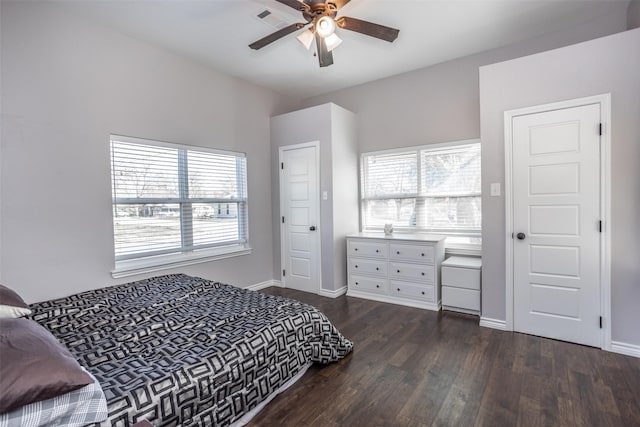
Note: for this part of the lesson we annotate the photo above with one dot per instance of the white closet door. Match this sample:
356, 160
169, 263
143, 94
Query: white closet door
556, 205
300, 209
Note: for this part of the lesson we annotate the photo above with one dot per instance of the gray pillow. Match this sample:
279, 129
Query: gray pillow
11, 305
35, 366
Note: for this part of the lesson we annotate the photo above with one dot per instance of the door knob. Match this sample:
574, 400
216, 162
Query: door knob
521, 236
313, 228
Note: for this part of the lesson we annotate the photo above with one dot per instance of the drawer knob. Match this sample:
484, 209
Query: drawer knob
422, 292
398, 271
377, 251
377, 286
377, 268
397, 252
398, 289
356, 265
356, 283
422, 254
423, 273
355, 249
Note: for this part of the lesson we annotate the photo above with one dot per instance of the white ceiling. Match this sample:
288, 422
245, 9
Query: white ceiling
217, 33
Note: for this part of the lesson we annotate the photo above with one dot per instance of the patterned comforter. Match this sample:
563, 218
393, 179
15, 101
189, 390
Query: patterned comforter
181, 350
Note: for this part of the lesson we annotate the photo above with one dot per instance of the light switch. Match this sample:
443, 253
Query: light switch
495, 189
325, 195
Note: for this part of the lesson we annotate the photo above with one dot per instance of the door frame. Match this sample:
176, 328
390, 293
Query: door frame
281, 150
604, 100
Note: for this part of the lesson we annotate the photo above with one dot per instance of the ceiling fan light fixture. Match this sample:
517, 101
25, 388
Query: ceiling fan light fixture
320, 22
325, 26
332, 41
306, 38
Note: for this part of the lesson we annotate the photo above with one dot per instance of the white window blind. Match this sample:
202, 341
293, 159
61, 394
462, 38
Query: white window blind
171, 199
432, 189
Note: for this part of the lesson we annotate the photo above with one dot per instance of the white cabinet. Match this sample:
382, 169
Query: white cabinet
400, 268
461, 284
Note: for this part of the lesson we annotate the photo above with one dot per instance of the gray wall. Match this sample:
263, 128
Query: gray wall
334, 128
419, 107
66, 85
633, 14
296, 128
606, 65
344, 191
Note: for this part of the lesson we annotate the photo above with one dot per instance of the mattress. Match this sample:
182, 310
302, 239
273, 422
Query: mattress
181, 350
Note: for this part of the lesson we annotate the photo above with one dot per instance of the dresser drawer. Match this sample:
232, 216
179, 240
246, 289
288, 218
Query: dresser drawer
412, 291
462, 298
468, 278
404, 252
367, 284
368, 266
423, 273
366, 249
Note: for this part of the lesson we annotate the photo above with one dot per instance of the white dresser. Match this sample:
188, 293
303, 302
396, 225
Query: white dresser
399, 268
461, 284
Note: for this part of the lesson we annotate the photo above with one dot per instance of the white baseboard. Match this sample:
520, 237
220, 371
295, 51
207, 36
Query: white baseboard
263, 285
332, 294
493, 323
624, 348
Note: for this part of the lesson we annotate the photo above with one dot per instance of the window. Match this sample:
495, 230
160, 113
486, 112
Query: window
434, 189
167, 201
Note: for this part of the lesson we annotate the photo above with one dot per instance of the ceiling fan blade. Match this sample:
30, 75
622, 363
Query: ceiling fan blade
339, 3
368, 28
275, 36
325, 57
297, 5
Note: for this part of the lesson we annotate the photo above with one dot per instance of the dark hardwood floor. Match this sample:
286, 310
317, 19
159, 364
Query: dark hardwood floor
412, 367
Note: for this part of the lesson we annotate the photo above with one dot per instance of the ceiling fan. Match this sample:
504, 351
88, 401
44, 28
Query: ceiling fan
321, 14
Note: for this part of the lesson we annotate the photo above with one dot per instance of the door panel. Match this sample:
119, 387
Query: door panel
562, 220
299, 216
555, 138
556, 207
554, 179
300, 267
555, 300
300, 242
299, 191
554, 260
299, 194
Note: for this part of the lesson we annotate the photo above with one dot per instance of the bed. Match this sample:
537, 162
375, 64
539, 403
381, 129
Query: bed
178, 350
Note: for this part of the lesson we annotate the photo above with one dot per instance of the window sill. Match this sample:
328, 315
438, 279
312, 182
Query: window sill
132, 267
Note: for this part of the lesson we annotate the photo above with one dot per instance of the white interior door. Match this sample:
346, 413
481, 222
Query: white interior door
299, 207
556, 224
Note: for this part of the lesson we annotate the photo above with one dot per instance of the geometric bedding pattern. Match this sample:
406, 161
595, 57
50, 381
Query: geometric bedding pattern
184, 351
